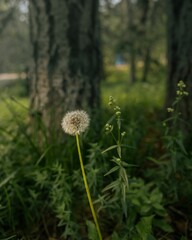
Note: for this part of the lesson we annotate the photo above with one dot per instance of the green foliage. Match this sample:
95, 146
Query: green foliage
140, 190
139, 97
92, 232
175, 163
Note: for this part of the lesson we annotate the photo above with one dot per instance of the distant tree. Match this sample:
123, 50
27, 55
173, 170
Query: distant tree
180, 52
134, 30
14, 36
66, 57
6, 14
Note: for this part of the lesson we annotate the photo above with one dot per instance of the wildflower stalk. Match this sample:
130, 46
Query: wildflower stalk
74, 123
87, 188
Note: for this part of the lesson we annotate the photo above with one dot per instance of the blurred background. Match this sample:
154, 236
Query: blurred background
133, 45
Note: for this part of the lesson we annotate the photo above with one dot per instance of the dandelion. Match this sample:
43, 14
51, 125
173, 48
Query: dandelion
74, 123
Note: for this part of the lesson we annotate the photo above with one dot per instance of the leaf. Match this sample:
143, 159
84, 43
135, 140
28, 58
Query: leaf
119, 150
180, 143
158, 206
144, 227
43, 155
115, 236
112, 170
113, 185
124, 164
7, 179
123, 174
116, 146
110, 148
92, 231
124, 204
163, 225
9, 237
156, 161
127, 146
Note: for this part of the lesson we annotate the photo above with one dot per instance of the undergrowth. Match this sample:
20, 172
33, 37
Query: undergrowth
138, 171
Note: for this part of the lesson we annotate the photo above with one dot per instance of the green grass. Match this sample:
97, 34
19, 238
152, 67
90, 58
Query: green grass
146, 96
13, 99
135, 97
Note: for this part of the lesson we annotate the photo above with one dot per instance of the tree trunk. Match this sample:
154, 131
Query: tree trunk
132, 65
180, 52
66, 58
131, 40
149, 23
146, 65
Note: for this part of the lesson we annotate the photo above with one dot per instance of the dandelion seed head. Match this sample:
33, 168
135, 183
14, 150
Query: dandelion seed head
75, 122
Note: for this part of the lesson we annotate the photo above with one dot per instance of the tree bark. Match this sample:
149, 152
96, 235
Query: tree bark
66, 65
180, 52
131, 40
147, 22
146, 65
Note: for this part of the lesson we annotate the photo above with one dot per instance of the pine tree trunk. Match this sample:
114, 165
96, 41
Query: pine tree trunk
180, 52
146, 66
148, 20
66, 58
131, 40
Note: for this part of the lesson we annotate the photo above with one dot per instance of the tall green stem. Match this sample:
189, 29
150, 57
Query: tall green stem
87, 188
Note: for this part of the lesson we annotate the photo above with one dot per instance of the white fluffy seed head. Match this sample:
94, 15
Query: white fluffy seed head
75, 122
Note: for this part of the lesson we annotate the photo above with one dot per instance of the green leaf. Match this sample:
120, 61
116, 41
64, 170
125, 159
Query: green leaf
124, 203
158, 206
112, 170
92, 231
136, 202
180, 143
7, 179
123, 175
116, 146
163, 225
119, 150
113, 185
124, 164
156, 161
115, 236
144, 227
127, 146
8, 238
145, 209
110, 148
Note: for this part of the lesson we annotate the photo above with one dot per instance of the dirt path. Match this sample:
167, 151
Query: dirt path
8, 78
12, 76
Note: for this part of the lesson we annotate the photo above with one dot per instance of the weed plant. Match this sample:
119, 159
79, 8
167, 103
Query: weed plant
175, 163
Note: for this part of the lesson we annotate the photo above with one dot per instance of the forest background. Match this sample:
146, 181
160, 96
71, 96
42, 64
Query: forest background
128, 64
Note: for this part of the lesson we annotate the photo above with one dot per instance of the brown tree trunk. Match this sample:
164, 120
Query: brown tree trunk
180, 52
148, 21
66, 58
146, 65
131, 40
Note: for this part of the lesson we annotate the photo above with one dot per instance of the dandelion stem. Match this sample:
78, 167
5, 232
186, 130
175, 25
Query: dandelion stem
87, 188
